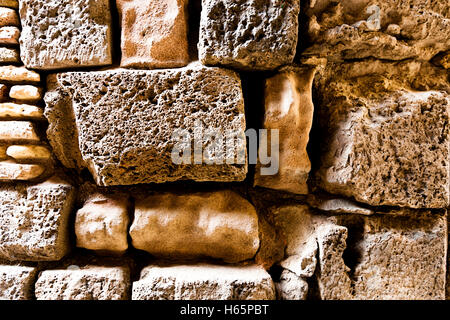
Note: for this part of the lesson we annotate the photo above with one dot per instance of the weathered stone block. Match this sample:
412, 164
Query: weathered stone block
65, 33
9, 55
25, 92
289, 109
154, 33
8, 17
34, 220
291, 287
9, 3
90, 283
124, 124
9, 170
102, 223
254, 35
29, 152
18, 74
389, 30
16, 282
9, 35
18, 131
20, 111
204, 282
221, 225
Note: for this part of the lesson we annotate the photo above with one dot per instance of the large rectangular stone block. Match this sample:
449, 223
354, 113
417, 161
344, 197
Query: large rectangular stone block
88, 283
248, 34
204, 282
34, 220
221, 225
65, 33
125, 124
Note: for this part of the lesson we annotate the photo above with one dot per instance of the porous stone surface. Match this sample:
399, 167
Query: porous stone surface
88, 283
18, 131
102, 223
221, 225
288, 108
154, 33
124, 124
9, 170
10, 110
252, 35
9, 55
34, 220
8, 17
9, 35
16, 282
291, 287
204, 282
65, 33
389, 146
389, 30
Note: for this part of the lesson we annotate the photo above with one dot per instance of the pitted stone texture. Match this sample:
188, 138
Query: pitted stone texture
389, 30
386, 138
121, 123
65, 33
289, 109
90, 283
102, 223
9, 35
154, 33
9, 55
221, 225
204, 282
16, 282
248, 34
34, 220
8, 17
291, 287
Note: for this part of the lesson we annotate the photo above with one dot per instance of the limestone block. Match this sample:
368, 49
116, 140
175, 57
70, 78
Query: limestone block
102, 223
9, 4
9, 35
20, 111
34, 220
221, 225
291, 287
8, 17
16, 131
289, 109
90, 283
16, 282
204, 282
125, 124
154, 33
10, 170
385, 137
25, 92
247, 34
18, 74
65, 33
9, 55
29, 152
389, 30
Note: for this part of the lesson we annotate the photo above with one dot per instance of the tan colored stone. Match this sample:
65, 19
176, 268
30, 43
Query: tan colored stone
10, 170
16, 131
221, 225
25, 92
9, 17
154, 33
3, 92
3, 155
34, 220
291, 287
9, 35
29, 152
9, 55
126, 126
90, 283
9, 3
204, 282
18, 74
102, 223
25, 111
16, 282
60, 34
288, 109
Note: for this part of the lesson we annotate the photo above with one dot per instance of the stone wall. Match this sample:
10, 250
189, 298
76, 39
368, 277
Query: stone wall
95, 204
